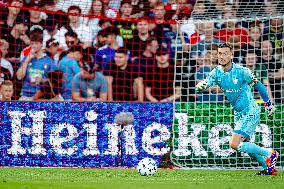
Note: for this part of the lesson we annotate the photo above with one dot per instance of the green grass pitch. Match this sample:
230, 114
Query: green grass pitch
49, 178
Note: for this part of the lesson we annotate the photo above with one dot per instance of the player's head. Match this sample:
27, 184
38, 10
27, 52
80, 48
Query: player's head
225, 54
6, 90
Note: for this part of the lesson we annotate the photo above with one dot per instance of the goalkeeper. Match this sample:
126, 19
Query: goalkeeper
236, 82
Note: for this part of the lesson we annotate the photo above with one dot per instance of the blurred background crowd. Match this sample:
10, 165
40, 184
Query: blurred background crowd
134, 50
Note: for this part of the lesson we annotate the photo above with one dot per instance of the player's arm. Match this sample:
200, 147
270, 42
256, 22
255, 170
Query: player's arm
206, 83
253, 81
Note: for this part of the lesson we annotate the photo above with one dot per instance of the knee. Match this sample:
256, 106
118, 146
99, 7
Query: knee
234, 145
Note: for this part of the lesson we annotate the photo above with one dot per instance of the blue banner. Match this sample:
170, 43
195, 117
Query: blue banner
51, 134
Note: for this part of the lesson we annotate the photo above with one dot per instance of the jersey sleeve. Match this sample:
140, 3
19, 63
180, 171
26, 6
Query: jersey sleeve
249, 77
211, 79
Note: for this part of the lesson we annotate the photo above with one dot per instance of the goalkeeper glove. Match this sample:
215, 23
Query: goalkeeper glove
201, 86
270, 109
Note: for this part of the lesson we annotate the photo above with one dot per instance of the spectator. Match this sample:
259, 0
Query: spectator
275, 69
124, 79
199, 49
137, 44
198, 35
209, 63
259, 71
160, 83
76, 24
232, 29
100, 41
186, 70
140, 8
176, 40
4, 46
97, 12
70, 66
34, 15
71, 39
18, 39
10, 17
51, 49
4, 72
34, 68
274, 32
64, 5
106, 54
50, 89
124, 24
147, 58
89, 84
255, 40
52, 30
6, 90
235, 42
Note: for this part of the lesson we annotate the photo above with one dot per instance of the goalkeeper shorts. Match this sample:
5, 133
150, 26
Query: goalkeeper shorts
247, 121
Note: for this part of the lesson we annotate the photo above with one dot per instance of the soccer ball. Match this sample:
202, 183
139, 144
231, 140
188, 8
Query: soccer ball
147, 167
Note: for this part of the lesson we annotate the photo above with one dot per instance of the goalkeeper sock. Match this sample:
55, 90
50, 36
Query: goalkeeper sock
252, 148
260, 159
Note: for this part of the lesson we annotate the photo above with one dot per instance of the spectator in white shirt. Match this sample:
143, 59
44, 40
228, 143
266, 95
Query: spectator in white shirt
75, 23
84, 5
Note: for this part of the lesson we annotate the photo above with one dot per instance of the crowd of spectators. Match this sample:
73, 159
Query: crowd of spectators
126, 50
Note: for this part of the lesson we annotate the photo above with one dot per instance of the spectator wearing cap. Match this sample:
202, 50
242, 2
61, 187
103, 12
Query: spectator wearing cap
4, 46
105, 54
125, 80
34, 68
50, 89
6, 90
70, 66
160, 79
52, 31
76, 24
89, 84
18, 39
51, 49
9, 18
137, 44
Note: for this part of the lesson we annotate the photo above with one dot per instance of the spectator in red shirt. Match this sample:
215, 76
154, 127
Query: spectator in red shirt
232, 29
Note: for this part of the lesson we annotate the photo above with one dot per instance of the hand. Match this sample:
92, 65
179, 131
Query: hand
201, 85
270, 109
25, 38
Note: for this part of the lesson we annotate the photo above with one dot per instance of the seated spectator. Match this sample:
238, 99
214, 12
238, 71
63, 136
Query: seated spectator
147, 59
84, 5
70, 66
179, 10
124, 24
235, 42
76, 24
100, 40
96, 11
137, 44
105, 54
232, 29
34, 15
34, 68
186, 67
18, 39
259, 71
50, 89
176, 40
52, 30
274, 32
9, 18
90, 84
255, 40
160, 83
210, 62
6, 90
4, 46
124, 79
4, 71
199, 49
71, 39
51, 49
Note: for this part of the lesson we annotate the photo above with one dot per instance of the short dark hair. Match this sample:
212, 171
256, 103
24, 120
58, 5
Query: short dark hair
251, 51
225, 45
7, 83
51, 42
37, 37
76, 48
212, 47
122, 50
150, 39
74, 7
71, 33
